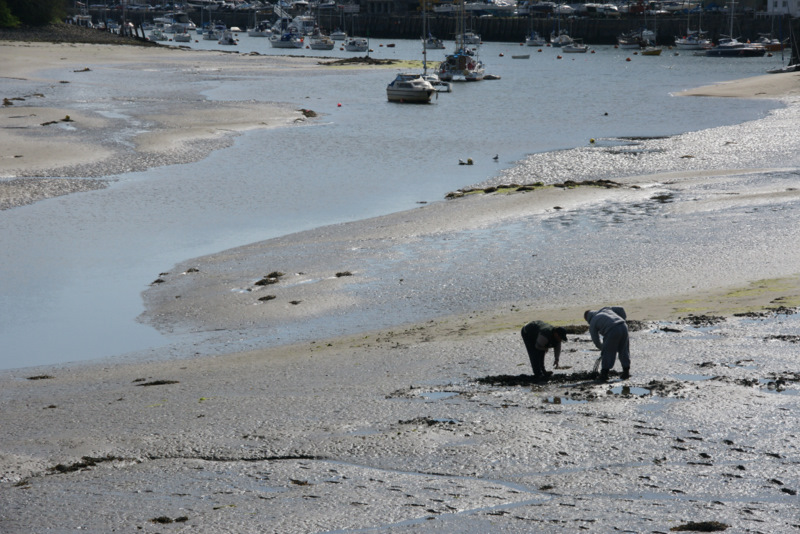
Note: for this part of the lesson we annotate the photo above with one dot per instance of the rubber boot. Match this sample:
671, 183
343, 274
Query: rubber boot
626, 373
604, 375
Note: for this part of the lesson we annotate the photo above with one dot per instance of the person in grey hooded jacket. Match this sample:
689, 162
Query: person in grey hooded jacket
609, 322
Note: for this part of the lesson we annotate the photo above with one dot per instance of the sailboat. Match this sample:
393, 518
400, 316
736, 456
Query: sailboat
649, 38
432, 78
462, 64
694, 39
412, 87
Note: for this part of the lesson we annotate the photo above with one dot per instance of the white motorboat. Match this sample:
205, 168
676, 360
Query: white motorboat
409, 88
321, 42
434, 43
214, 31
575, 47
178, 21
338, 35
560, 39
182, 37
534, 39
158, 34
469, 38
356, 44
286, 40
262, 29
227, 38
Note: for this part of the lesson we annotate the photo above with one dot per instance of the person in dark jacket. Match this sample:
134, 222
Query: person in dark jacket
539, 336
610, 324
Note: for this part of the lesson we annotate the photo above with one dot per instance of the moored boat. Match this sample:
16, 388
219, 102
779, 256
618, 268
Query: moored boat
693, 41
321, 41
651, 51
157, 34
560, 39
534, 39
356, 44
262, 29
286, 40
434, 43
730, 47
227, 38
410, 88
182, 37
575, 47
461, 65
469, 38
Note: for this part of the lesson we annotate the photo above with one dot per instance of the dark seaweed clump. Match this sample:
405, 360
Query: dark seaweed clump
702, 526
159, 383
85, 463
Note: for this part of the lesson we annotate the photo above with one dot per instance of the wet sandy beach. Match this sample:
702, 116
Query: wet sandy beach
433, 425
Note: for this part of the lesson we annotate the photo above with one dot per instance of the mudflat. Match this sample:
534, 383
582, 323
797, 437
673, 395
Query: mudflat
422, 427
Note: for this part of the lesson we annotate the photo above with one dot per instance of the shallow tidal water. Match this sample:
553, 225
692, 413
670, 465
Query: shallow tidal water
74, 266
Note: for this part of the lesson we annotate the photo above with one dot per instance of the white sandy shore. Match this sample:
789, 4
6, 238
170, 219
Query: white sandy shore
410, 430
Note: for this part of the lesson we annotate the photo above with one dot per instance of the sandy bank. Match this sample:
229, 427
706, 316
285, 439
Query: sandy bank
48, 130
783, 85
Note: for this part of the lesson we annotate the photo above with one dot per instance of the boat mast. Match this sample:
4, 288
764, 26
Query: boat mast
424, 38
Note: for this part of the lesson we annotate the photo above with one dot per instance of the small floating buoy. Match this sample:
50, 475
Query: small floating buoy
591, 140
627, 59
592, 52
539, 50
501, 54
339, 105
558, 57
469, 161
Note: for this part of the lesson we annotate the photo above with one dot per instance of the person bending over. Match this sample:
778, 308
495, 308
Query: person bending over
539, 336
609, 323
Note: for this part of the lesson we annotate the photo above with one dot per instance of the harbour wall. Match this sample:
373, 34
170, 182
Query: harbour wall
592, 30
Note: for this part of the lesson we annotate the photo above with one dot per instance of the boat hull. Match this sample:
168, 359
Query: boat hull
747, 51
411, 97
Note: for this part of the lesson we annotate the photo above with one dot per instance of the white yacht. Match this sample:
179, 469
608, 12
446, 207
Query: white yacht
409, 88
356, 44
